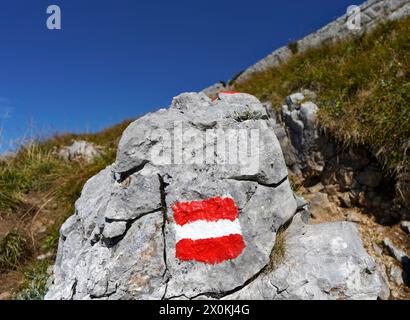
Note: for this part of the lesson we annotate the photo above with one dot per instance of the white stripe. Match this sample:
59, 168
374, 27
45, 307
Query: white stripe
202, 229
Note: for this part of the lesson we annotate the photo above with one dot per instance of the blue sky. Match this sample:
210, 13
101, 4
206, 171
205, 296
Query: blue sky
114, 60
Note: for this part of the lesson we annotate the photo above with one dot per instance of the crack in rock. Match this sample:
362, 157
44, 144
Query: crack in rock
120, 177
254, 179
164, 209
112, 242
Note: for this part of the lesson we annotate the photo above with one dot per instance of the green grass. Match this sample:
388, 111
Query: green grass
36, 176
36, 168
363, 87
278, 253
52, 239
12, 249
35, 281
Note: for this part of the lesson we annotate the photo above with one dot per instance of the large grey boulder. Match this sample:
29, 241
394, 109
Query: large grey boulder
134, 236
123, 234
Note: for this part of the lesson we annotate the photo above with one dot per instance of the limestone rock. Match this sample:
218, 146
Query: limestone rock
396, 274
321, 262
396, 253
179, 215
80, 150
405, 225
302, 142
122, 241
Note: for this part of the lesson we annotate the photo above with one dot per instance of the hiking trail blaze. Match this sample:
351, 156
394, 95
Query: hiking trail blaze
208, 231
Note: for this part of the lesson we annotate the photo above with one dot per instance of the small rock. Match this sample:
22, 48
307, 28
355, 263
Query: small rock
270, 111
345, 178
299, 121
308, 111
406, 226
377, 249
396, 253
362, 199
50, 270
352, 217
115, 229
332, 190
317, 188
45, 256
344, 199
296, 98
301, 202
321, 206
396, 274
80, 150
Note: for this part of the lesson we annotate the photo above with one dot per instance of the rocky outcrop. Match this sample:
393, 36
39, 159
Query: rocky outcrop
192, 209
372, 13
351, 176
342, 183
299, 120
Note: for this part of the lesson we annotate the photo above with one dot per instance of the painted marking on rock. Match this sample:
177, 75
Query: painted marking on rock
230, 92
208, 231
226, 92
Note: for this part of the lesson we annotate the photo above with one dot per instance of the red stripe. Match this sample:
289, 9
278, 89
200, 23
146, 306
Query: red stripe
226, 92
230, 92
213, 209
212, 251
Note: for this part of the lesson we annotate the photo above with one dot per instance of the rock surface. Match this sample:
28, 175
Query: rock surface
80, 150
124, 240
396, 253
321, 262
299, 120
405, 225
351, 176
212, 91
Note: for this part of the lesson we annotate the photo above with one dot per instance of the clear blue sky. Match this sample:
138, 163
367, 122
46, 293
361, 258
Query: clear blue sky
121, 58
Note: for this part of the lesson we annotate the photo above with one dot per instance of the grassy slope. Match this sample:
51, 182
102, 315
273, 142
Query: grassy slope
36, 182
363, 86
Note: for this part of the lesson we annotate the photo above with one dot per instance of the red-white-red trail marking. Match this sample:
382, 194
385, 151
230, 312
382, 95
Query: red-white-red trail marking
208, 231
